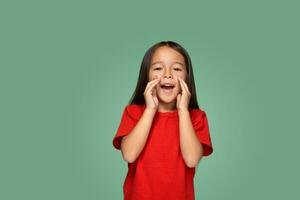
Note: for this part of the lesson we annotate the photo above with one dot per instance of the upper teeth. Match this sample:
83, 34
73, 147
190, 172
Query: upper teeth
167, 84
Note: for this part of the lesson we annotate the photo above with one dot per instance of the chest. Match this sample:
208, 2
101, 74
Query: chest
163, 142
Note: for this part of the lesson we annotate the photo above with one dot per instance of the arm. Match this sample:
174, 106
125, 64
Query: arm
133, 143
191, 148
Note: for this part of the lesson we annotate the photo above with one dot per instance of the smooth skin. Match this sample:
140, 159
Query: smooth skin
167, 65
133, 143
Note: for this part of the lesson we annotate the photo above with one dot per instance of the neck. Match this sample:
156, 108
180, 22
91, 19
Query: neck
166, 107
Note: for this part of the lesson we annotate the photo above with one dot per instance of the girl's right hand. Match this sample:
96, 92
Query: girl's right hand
150, 94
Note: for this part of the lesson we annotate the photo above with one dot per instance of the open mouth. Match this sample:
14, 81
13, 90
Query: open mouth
167, 88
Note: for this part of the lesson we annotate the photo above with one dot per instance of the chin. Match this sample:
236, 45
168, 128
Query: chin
167, 97
166, 100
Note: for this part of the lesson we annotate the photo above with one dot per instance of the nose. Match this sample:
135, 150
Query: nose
167, 74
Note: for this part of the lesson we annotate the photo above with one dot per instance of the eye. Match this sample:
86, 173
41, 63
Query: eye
157, 68
177, 69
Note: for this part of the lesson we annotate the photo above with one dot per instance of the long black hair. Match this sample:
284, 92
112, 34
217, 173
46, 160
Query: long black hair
138, 95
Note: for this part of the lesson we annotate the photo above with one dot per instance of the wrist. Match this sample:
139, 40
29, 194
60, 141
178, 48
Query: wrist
150, 110
183, 111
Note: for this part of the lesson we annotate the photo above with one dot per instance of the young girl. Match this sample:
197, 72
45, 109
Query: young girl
163, 134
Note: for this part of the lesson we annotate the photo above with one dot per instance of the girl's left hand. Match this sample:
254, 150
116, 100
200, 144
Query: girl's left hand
184, 97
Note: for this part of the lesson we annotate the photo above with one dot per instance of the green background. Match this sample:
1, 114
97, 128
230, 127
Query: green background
69, 67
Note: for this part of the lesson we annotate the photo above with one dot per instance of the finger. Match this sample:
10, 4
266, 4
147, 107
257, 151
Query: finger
178, 97
185, 86
183, 89
154, 93
180, 85
178, 100
149, 84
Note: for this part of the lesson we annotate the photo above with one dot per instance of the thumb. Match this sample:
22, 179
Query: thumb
178, 97
154, 92
178, 100
155, 99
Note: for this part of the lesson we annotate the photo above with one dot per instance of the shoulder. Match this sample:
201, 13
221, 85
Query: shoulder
135, 111
197, 113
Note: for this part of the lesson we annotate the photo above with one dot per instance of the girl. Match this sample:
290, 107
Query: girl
163, 134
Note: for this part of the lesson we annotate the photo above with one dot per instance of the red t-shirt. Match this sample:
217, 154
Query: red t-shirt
160, 173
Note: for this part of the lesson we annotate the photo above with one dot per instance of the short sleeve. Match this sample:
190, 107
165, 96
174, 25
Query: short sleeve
130, 117
200, 123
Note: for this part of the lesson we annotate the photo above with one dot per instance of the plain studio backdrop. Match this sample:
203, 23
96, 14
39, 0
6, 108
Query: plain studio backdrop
68, 68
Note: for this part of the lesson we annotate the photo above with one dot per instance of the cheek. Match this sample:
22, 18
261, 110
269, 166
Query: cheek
155, 76
152, 76
182, 76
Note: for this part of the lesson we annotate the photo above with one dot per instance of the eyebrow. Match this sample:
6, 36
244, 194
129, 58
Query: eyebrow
173, 63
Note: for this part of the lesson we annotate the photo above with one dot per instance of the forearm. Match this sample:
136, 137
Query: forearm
133, 143
191, 148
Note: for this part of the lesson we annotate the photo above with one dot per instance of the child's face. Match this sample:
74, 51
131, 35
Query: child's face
167, 64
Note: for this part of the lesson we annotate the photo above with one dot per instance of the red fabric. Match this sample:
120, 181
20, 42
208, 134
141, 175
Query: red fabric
160, 173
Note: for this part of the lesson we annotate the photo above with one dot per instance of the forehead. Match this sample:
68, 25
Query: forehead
167, 55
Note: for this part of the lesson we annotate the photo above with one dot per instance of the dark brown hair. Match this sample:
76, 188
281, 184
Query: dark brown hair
138, 95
